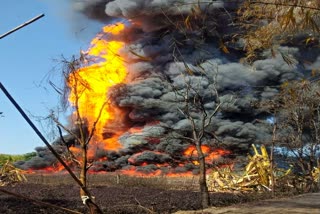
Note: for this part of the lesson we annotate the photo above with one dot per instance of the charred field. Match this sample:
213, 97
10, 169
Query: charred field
115, 194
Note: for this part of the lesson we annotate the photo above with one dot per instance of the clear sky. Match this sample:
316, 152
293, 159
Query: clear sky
27, 57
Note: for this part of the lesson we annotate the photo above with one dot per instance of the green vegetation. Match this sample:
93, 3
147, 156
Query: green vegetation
13, 158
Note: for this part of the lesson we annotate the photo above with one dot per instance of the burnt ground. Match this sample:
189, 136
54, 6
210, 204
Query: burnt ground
114, 194
111, 199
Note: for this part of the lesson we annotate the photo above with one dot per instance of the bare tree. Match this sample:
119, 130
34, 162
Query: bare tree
296, 114
79, 130
190, 99
191, 104
300, 104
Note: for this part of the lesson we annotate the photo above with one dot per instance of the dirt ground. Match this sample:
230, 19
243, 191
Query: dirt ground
118, 199
155, 195
303, 204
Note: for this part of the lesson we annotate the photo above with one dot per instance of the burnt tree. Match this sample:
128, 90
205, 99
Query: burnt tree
192, 105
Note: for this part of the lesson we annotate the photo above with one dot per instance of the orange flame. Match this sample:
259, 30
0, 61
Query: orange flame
57, 167
133, 172
191, 151
90, 84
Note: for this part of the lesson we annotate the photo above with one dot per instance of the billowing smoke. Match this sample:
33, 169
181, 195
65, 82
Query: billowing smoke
43, 159
166, 57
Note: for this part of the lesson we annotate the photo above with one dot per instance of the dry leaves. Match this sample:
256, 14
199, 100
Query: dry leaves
10, 175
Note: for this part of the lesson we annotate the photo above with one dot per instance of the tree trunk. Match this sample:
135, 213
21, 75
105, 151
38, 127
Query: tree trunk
83, 170
205, 199
86, 199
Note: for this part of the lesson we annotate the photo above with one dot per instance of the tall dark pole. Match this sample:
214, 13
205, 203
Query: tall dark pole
21, 26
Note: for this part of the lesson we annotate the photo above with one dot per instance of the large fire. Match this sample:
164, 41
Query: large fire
104, 67
90, 84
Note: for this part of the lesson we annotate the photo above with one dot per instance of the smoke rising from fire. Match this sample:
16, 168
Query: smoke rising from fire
160, 52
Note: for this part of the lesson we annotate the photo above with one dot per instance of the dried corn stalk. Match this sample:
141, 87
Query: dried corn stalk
223, 179
10, 175
256, 175
316, 174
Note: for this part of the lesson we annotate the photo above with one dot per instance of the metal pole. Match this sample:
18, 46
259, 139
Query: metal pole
22, 25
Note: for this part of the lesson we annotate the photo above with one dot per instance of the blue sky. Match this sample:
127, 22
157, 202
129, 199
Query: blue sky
27, 58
